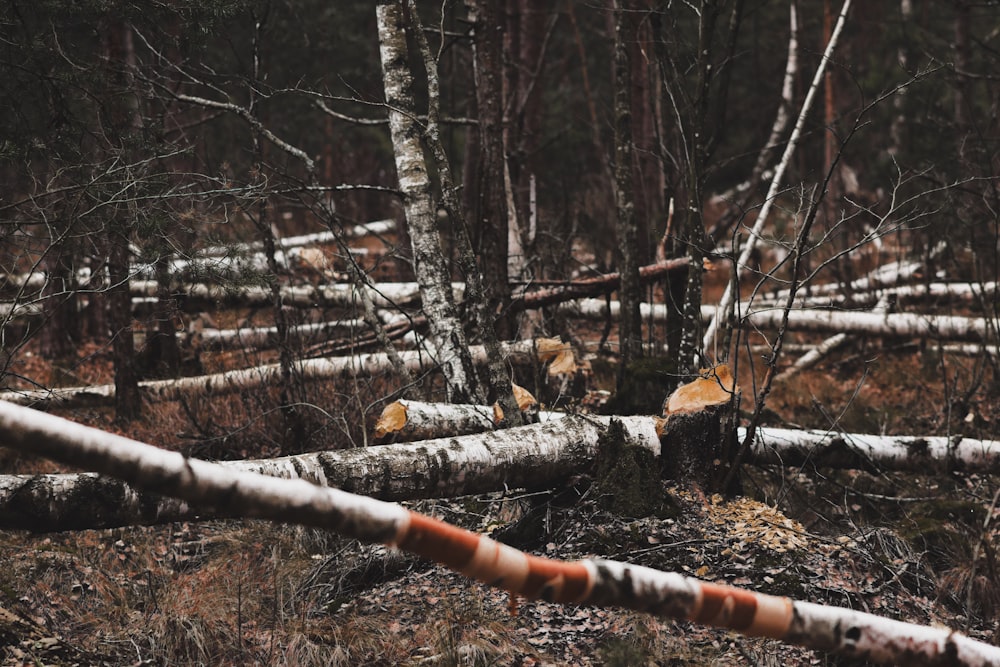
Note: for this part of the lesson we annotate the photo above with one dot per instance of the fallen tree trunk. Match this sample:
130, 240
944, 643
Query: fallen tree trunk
202, 296
885, 276
818, 353
536, 456
267, 337
391, 294
589, 581
859, 450
234, 258
376, 228
248, 378
409, 421
907, 325
585, 287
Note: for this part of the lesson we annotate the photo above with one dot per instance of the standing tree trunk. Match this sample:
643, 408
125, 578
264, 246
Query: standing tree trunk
58, 338
485, 316
630, 295
128, 401
295, 435
428, 260
121, 123
489, 215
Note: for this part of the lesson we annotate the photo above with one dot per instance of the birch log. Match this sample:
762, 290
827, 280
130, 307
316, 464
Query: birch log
224, 259
906, 325
197, 296
536, 456
408, 421
203, 296
818, 353
859, 450
263, 338
589, 581
248, 378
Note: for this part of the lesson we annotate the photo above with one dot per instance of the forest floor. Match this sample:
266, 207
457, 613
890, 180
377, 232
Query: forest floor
916, 547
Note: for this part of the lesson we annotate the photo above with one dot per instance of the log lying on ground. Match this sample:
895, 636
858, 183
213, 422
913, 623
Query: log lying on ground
590, 581
859, 450
408, 421
374, 228
906, 325
267, 337
771, 446
201, 296
387, 294
820, 352
887, 275
221, 259
587, 287
248, 378
536, 456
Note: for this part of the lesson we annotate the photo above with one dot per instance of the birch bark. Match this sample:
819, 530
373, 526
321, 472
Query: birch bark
414, 182
245, 379
537, 456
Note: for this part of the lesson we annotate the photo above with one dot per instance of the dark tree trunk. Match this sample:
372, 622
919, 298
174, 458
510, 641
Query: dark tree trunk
630, 294
527, 23
61, 332
648, 182
128, 402
121, 122
488, 220
295, 437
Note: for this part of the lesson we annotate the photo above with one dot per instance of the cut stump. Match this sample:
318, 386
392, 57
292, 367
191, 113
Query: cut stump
698, 435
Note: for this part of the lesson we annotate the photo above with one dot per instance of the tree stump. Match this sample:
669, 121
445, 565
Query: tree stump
698, 436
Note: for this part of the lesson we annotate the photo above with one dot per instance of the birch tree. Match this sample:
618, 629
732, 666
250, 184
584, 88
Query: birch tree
414, 182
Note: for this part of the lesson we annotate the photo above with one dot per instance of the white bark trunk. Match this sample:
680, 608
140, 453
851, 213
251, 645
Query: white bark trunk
885, 276
408, 421
302, 296
813, 356
248, 378
414, 182
377, 227
907, 325
590, 581
267, 337
818, 353
791, 447
913, 325
225, 258
535, 456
